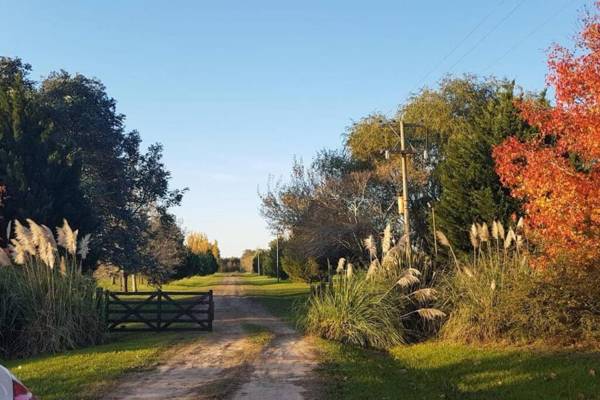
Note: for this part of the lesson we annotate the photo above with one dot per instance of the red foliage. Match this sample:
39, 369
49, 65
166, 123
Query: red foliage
557, 173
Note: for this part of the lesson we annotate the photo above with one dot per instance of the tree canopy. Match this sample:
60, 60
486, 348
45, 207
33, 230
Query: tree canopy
65, 153
556, 173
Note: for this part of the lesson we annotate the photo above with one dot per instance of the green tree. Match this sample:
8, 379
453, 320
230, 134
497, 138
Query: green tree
197, 264
246, 260
470, 188
41, 179
64, 153
165, 250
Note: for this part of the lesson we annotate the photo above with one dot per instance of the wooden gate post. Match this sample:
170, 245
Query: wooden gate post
211, 310
159, 322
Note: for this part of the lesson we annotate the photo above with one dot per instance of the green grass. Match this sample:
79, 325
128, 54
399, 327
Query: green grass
438, 370
433, 370
258, 335
82, 374
284, 299
192, 284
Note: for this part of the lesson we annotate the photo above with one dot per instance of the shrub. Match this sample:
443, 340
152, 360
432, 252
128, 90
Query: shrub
381, 308
196, 264
494, 295
53, 306
300, 269
349, 311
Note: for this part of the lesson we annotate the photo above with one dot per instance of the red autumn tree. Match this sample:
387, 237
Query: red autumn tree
557, 173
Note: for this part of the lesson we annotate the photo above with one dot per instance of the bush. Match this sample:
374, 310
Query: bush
52, 306
386, 306
299, 269
495, 295
196, 264
349, 311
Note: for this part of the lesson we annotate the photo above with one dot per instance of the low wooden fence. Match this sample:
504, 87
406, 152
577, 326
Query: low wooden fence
159, 311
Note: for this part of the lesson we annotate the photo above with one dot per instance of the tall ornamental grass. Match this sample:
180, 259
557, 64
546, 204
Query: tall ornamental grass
387, 305
494, 295
47, 303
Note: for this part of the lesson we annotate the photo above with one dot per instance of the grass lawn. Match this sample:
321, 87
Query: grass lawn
82, 374
438, 370
192, 284
432, 370
284, 299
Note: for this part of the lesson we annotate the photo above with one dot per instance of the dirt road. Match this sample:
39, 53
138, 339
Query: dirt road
230, 363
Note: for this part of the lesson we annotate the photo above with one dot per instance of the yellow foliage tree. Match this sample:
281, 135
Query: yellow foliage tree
198, 243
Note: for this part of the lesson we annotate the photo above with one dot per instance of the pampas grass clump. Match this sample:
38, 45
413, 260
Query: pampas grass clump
494, 295
386, 306
350, 312
46, 303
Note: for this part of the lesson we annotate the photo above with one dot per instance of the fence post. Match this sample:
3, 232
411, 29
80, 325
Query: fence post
159, 321
106, 300
211, 310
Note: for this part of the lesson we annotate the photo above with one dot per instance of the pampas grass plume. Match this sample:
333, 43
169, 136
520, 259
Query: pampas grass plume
430, 313
484, 232
340, 266
425, 294
407, 280
473, 236
509, 238
84, 246
442, 238
371, 247
373, 268
387, 239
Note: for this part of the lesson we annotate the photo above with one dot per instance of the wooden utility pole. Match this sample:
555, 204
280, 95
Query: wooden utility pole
404, 156
403, 200
277, 257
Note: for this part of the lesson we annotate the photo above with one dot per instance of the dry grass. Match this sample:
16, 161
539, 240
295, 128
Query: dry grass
50, 305
494, 295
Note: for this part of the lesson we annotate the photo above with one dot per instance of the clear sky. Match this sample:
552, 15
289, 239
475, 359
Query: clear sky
235, 89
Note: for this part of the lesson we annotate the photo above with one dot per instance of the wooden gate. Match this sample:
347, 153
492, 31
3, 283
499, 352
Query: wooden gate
159, 311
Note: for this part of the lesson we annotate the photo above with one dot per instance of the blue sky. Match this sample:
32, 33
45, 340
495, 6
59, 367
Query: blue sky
235, 89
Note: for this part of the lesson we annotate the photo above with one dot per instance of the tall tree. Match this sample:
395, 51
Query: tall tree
198, 243
41, 178
557, 172
165, 249
330, 207
246, 260
470, 188
65, 154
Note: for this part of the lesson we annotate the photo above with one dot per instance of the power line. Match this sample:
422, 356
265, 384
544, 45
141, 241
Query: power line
530, 34
457, 46
494, 28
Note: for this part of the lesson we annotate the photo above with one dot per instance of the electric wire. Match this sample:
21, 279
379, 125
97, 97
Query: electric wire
460, 43
484, 37
530, 34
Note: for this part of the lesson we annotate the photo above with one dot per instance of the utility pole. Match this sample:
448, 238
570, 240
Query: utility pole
404, 156
403, 200
277, 257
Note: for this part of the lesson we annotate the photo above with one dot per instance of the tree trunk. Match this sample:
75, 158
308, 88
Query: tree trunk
125, 281
134, 282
